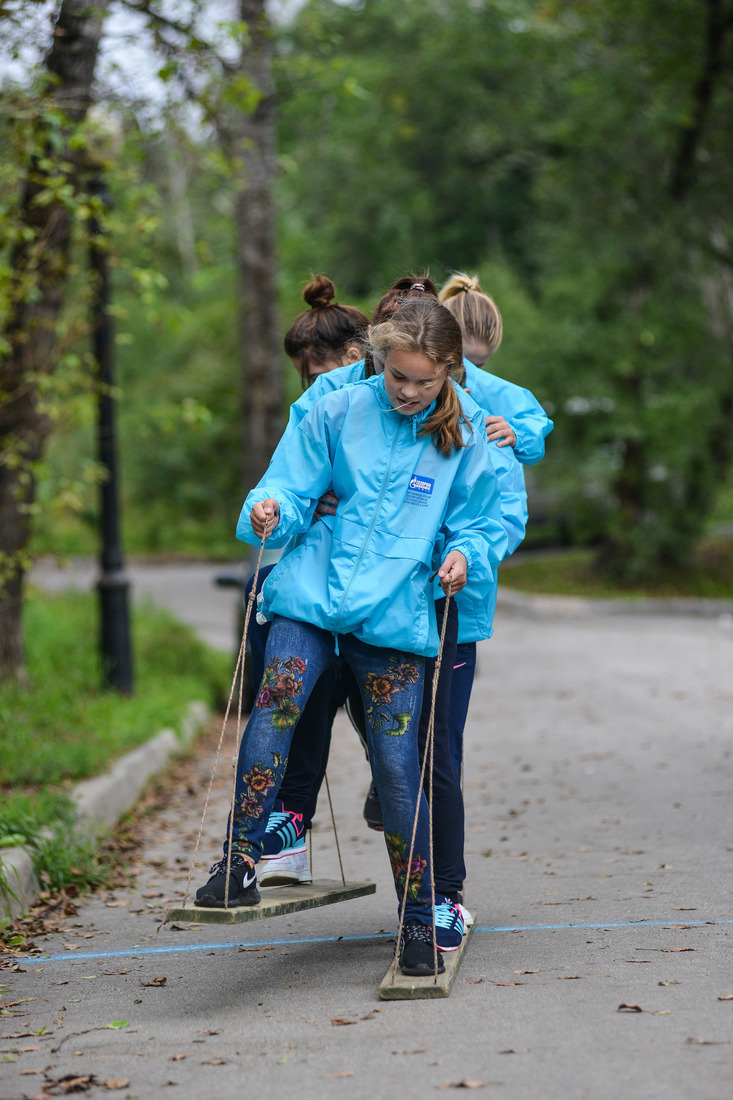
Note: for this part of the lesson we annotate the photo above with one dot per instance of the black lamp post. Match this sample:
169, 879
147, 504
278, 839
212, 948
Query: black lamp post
113, 583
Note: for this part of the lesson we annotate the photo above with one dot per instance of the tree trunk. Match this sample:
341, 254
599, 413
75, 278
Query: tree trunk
39, 267
253, 147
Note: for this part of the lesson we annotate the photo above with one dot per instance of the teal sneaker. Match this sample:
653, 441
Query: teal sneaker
450, 926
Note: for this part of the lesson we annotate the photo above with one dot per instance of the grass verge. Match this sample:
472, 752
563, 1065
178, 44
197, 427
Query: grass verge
572, 573
62, 727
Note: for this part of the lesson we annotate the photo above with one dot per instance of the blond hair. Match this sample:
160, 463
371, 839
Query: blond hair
476, 312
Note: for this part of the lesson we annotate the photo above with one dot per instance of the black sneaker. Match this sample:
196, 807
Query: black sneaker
417, 956
242, 885
373, 809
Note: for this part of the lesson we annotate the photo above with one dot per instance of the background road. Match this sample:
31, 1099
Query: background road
600, 858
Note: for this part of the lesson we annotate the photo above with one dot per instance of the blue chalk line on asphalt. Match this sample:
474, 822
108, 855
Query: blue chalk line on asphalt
139, 952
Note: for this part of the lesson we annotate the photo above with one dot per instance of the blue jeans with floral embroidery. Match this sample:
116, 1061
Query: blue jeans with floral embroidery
391, 685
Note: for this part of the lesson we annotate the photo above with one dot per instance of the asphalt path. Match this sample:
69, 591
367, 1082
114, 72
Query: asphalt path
599, 849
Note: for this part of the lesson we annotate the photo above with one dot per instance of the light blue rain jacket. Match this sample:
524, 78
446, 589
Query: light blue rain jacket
519, 407
475, 611
366, 570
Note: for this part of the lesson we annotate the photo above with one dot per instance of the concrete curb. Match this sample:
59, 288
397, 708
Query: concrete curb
578, 607
102, 801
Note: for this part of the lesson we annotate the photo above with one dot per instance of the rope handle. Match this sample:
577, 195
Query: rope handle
238, 672
428, 753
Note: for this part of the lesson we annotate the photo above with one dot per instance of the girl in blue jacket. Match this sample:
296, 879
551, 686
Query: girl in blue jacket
285, 849
409, 470
514, 419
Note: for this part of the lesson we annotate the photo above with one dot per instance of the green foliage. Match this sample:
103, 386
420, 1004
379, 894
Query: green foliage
63, 727
708, 575
566, 152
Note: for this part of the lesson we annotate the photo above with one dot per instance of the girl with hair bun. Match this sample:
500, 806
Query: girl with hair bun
358, 585
325, 336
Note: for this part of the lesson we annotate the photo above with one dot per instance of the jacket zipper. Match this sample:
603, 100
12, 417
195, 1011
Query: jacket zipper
368, 535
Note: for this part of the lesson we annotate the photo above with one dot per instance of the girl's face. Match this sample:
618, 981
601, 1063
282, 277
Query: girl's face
411, 380
476, 352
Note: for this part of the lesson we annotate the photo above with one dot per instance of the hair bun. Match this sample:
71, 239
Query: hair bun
320, 292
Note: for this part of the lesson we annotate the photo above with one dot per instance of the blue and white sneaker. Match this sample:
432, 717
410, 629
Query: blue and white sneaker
450, 927
285, 832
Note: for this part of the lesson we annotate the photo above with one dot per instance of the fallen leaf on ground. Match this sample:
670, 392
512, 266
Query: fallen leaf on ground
703, 1042
176, 1057
675, 949
154, 982
508, 983
629, 1008
341, 1021
243, 948
417, 1050
116, 1083
526, 971
74, 1083
726, 997
569, 977
215, 1062
514, 1050
331, 1076
118, 902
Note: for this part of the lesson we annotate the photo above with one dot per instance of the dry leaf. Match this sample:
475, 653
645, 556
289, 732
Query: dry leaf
417, 1050
629, 1008
341, 1021
675, 949
726, 997
122, 970
685, 908
154, 982
569, 977
508, 983
116, 1083
526, 971
215, 1062
176, 1057
474, 981
74, 1083
703, 1042
243, 948
117, 903
30, 1072
514, 1050
348, 1073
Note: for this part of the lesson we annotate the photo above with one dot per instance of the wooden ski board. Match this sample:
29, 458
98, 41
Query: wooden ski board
406, 988
276, 901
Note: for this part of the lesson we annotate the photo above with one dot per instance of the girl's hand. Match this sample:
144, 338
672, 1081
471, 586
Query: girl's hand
327, 505
453, 572
262, 512
498, 428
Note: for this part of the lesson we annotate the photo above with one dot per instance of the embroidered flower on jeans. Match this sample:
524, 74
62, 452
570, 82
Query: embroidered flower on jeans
397, 851
280, 685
